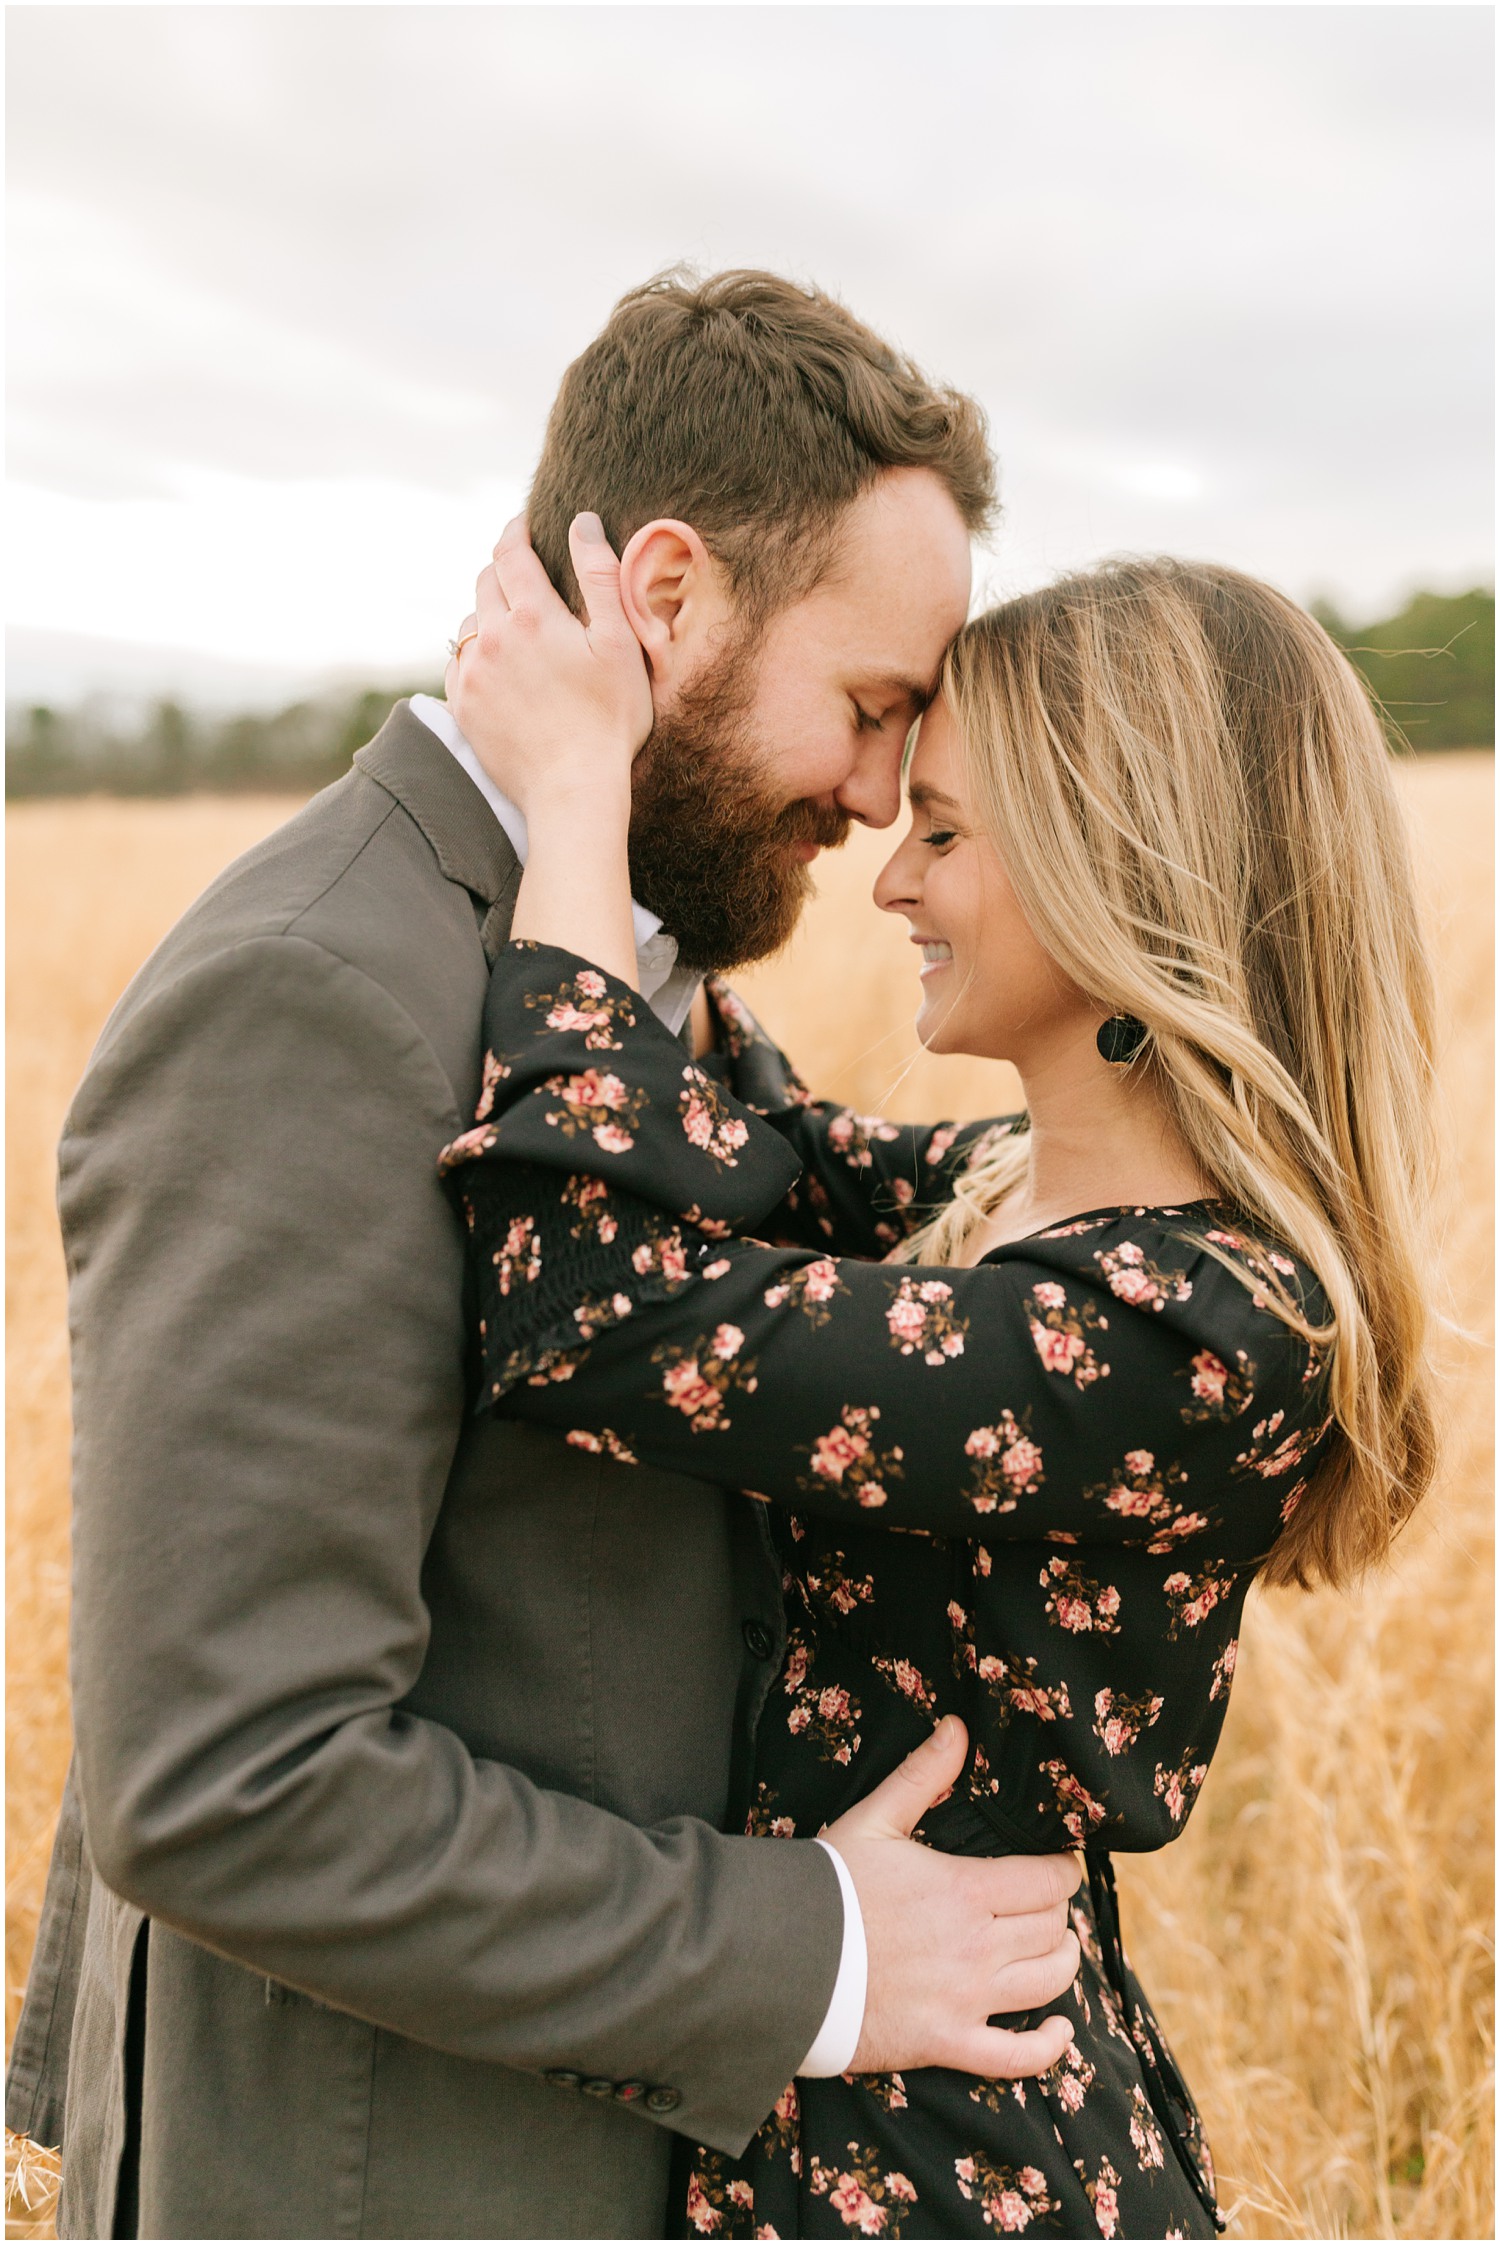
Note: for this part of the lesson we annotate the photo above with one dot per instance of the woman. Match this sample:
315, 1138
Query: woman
1032, 1402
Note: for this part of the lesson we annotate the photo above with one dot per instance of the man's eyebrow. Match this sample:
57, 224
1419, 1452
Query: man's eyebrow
900, 687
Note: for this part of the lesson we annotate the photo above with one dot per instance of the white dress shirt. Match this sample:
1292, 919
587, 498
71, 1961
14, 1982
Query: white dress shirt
670, 991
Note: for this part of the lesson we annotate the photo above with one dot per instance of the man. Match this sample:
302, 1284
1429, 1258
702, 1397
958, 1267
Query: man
395, 1892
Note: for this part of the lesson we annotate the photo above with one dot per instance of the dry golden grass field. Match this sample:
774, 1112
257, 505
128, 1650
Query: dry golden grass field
1319, 1941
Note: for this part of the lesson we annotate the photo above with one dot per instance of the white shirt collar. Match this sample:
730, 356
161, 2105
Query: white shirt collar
669, 990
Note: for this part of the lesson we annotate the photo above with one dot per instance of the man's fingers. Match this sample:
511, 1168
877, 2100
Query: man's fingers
903, 1799
1034, 1933
1026, 1983
1016, 1884
1001, 2054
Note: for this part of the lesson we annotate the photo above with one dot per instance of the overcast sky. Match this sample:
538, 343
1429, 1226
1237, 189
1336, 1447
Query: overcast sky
291, 287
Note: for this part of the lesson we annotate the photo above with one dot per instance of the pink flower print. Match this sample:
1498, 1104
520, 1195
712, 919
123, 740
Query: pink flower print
728, 1340
834, 1453
903, 1192
794, 1674
940, 1141
565, 1016
964, 2170
1178, 1788
611, 1139
707, 1121
1058, 1351
1078, 1603
1050, 1294
687, 1390
1134, 1286
717, 1270
1119, 1721
983, 1442
493, 1073
704, 2217
919, 1318
1209, 1376
1224, 1668
1139, 1461
901, 2186
1133, 1502
595, 1088
908, 1681
740, 2192
591, 983
606, 1443
856, 2208
1107, 2210
467, 1146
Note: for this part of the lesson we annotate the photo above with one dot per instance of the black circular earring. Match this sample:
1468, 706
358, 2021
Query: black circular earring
1120, 1038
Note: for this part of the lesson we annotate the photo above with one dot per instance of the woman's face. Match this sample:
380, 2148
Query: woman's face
988, 987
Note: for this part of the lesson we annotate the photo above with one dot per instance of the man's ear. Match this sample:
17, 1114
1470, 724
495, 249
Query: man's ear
673, 593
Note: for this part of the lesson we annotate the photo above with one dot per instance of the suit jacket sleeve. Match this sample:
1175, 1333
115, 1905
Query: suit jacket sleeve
265, 1299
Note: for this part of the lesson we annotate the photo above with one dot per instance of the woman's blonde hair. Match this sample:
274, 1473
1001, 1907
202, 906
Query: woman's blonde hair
1192, 797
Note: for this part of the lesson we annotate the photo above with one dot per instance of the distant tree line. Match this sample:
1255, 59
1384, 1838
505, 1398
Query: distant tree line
1431, 669
174, 750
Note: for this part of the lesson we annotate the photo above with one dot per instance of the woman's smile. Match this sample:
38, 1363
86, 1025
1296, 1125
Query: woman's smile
935, 955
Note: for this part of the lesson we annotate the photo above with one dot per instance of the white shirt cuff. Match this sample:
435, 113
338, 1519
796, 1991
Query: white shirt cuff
838, 2037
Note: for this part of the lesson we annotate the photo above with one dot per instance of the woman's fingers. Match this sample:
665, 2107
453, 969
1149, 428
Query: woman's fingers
524, 584
597, 568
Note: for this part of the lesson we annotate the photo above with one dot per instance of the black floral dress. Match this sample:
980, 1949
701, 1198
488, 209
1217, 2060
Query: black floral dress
1032, 1493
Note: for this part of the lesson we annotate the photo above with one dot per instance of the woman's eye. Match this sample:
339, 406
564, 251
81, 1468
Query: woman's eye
939, 837
864, 722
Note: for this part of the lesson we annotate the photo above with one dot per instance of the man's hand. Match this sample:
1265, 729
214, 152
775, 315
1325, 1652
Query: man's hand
953, 1939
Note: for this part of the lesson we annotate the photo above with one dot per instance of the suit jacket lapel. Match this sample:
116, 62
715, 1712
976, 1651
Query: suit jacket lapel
471, 846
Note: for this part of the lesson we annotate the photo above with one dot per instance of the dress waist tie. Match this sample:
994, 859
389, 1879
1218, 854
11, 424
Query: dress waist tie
1164, 2084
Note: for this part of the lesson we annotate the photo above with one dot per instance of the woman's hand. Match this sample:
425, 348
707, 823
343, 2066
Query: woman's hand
554, 709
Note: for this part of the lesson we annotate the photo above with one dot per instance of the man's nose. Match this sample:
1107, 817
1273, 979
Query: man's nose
872, 792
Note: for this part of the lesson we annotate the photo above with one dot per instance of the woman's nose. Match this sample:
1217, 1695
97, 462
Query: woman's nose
898, 884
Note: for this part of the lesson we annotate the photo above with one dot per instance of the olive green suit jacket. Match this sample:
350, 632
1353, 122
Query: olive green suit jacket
405, 1739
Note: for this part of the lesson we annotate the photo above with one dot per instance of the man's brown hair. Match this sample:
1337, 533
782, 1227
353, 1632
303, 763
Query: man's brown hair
755, 409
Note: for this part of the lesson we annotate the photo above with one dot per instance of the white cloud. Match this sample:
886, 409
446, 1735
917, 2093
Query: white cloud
311, 575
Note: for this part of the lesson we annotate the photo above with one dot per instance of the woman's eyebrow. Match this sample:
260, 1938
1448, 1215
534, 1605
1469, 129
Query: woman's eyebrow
924, 796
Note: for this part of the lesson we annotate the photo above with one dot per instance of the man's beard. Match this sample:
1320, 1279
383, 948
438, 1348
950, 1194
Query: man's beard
711, 849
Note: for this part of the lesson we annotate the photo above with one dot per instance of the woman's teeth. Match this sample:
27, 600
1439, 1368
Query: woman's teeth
933, 954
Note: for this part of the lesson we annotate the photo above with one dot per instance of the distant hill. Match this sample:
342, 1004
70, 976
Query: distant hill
1431, 669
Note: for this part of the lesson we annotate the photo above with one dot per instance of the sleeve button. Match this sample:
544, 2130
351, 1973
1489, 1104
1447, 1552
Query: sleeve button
598, 2087
561, 2078
630, 2092
662, 2100
759, 1639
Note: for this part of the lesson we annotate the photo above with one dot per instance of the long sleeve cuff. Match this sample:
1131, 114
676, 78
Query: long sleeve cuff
838, 2037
